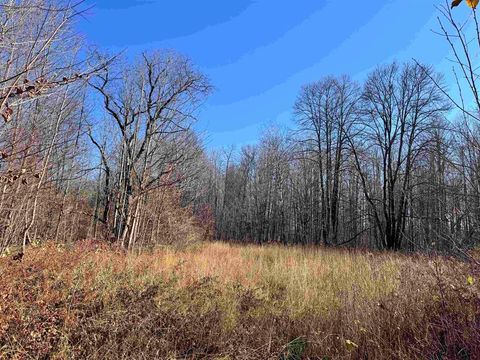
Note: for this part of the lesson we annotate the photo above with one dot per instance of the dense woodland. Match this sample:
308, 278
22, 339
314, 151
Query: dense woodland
94, 145
389, 163
376, 164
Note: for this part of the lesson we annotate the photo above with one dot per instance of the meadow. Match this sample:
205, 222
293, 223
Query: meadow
226, 301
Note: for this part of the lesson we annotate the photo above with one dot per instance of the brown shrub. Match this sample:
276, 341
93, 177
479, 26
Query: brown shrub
233, 302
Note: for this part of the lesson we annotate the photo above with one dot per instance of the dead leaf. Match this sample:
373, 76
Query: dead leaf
472, 3
456, 3
7, 113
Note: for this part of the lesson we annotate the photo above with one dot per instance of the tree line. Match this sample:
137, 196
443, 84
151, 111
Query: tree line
383, 164
94, 145
377, 164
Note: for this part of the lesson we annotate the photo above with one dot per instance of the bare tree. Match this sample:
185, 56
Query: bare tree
153, 106
400, 105
325, 112
41, 82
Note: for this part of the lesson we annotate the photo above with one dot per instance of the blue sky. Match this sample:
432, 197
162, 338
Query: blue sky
258, 53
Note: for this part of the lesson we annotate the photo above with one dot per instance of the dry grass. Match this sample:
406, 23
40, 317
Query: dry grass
222, 301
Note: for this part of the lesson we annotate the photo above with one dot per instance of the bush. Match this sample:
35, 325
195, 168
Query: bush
236, 302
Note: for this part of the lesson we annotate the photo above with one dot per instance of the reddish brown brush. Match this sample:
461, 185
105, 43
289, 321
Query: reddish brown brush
220, 301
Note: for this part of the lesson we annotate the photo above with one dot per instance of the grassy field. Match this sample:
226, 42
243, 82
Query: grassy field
221, 301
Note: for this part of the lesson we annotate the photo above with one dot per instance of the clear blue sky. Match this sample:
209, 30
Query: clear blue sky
258, 53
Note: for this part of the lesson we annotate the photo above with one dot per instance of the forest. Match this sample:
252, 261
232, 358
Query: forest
110, 145
114, 211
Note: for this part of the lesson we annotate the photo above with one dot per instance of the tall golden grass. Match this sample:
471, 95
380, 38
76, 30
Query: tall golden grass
221, 301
